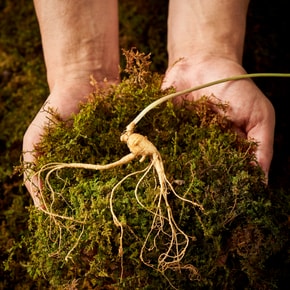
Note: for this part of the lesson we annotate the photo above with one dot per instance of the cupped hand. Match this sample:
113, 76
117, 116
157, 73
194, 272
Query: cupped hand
65, 101
249, 109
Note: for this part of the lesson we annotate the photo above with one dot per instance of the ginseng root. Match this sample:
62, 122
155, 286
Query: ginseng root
139, 146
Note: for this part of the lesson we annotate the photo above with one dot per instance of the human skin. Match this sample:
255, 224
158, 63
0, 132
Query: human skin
205, 43
75, 46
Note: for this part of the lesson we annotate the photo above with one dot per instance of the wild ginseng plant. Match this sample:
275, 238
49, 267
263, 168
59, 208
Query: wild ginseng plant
163, 221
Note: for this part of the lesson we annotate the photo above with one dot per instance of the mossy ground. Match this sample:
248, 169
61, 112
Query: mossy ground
23, 89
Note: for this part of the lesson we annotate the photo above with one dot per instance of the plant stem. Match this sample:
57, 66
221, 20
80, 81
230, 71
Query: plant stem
187, 91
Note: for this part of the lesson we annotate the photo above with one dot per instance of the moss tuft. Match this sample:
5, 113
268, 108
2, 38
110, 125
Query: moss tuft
234, 240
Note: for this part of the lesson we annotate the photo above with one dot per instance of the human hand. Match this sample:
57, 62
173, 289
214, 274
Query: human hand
64, 100
73, 50
250, 111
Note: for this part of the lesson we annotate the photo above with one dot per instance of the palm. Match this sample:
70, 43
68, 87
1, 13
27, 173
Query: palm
251, 112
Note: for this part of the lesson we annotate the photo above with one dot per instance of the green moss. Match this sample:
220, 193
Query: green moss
23, 88
243, 226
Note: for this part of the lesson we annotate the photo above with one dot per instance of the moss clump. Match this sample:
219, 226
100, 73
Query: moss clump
234, 240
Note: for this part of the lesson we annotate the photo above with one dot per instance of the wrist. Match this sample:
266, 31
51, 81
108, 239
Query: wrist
79, 39
204, 27
79, 73
203, 53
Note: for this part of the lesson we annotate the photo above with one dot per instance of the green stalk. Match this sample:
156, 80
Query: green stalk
187, 91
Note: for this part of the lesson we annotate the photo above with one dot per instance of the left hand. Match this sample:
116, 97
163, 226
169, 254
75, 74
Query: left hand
249, 109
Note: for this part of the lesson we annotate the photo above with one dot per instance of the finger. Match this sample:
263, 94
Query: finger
30, 179
172, 78
33, 185
264, 136
166, 83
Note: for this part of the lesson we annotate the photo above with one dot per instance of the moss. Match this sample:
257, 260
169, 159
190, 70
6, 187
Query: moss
143, 25
22, 91
243, 225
